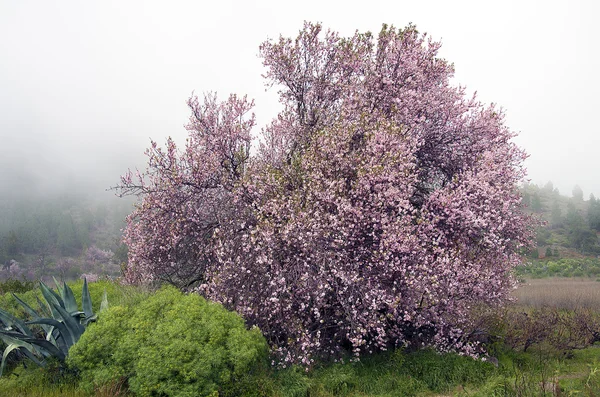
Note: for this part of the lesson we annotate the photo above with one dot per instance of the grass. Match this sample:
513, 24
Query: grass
538, 372
565, 293
422, 373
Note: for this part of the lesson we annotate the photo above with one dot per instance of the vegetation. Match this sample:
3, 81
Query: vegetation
354, 241
571, 223
60, 319
568, 293
64, 236
170, 344
345, 232
15, 286
165, 329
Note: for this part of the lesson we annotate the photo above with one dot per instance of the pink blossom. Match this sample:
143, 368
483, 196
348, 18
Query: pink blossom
380, 207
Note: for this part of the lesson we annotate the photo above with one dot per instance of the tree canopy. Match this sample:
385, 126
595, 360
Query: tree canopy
381, 204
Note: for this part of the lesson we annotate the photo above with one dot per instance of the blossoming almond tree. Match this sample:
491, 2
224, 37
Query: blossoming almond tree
380, 206
187, 194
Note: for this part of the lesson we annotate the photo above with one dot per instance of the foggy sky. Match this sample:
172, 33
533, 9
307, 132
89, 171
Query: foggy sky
84, 85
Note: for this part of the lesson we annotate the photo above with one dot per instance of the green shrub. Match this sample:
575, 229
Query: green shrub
15, 286
170, 344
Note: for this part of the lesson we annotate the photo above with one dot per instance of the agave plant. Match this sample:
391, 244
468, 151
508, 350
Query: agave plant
59, 317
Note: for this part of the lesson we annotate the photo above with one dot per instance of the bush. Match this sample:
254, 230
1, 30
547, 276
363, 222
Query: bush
551, 328
16, 286
170, 344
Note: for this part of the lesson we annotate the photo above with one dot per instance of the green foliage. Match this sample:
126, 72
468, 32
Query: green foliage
116, 295
570, 223
556, 219
594, 213
15, 286
68, 240
395, 373
563, 267
536, 203
440, 372
170, 344
534, 253
543, 237
61, 320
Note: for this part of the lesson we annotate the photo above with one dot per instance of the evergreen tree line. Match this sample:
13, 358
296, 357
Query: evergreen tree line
570, 222
60, 226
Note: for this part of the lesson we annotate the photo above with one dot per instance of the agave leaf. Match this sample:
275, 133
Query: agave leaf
58, 340
6, 318
52, 299
86, 321
86, 300
12, 322
27, 308
33, 344
104, 303
15, 338
16, 345
69, 299
44, 308
53, 293
72, 325
58, 287
7, 351
47, 348
50, 337
34, 358
77, 315
32, 313
62, 328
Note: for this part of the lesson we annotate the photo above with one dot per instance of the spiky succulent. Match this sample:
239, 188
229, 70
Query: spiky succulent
60, 319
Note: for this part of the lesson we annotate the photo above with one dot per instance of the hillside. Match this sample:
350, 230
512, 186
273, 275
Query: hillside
567, 243
64, 235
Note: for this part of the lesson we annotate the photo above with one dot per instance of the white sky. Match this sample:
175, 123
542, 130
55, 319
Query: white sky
84, 85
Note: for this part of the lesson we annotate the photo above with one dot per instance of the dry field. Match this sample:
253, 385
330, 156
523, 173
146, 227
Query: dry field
567, 293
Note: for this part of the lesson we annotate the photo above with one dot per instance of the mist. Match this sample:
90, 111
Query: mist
85, 86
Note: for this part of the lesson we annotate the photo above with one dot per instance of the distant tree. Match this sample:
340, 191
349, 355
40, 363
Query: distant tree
120, 255
536, 202
543, 236
584, 240
525, 198
534, 253
67, 268
67, 239
581, 237
548, 251
12, 244
594, 213
556, 219
578, 193
548, 187
573, 218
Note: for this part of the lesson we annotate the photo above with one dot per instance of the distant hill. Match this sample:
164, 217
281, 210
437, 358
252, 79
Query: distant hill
571, 223
567, 244
63, 235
